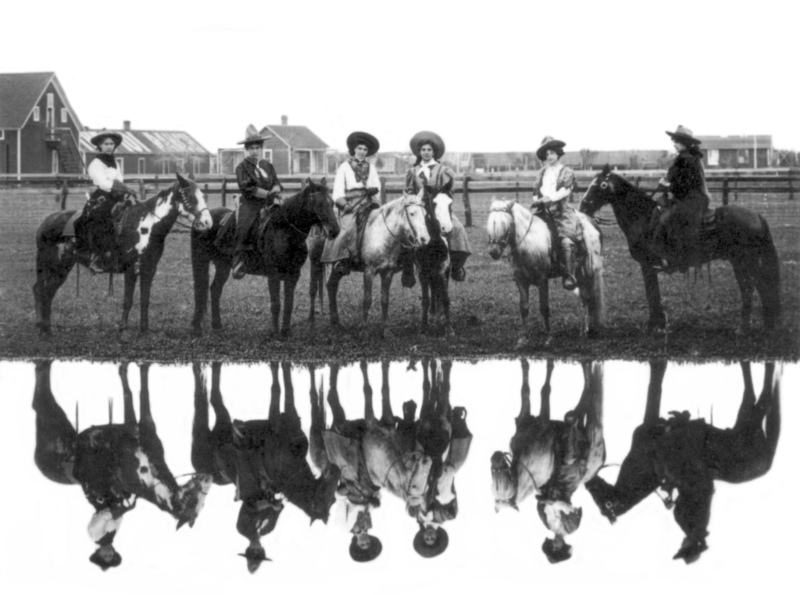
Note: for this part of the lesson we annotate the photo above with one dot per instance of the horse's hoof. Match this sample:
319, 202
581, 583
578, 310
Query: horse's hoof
522, 343
285, 332
547, 341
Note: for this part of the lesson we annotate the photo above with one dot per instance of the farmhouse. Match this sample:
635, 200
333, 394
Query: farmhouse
39, 130
737, 151
292, 150
153, 152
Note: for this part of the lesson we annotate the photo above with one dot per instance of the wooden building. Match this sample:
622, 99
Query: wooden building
39, 130
737, 151
153, 152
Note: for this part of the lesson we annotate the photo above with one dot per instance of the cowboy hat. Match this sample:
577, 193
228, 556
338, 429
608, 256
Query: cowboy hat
424, 137
548, 142
683, 135
254, 553
363, 138
252, 136
436, 548
96, 558
365, 555
98, 138
556, 555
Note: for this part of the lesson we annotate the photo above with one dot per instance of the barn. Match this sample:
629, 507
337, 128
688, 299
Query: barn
152, 152
737, 151
39, 130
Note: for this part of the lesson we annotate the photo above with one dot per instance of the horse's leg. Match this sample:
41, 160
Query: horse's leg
544, 307
746, 287
544, 407
127, 300
274, 284
289, 285
657, 320
56, 438
443, 282
426, 297
524, 393
387, 415
333, 397
653, 407
127, 396
51, 272
202, 455
275, 392
366, 303
748, 398
222, 271
524, 309
289, 407
369, 410
333, 289
148, 273
317, 274
200, 266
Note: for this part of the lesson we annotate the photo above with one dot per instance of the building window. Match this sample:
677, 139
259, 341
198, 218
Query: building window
64, 115
301, 162
2, 134
742, 157
165, 167
196, 165
141, 165
121, 165
50, 102
55, 162
267, 155
36, 115
713, 157
179, 165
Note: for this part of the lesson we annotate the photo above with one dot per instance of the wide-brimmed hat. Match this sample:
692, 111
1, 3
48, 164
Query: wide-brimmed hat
548, 142
252, 135
255, 554
373, 551
96, 558
554, 556
363, 138
98, 138
426, 136
684, 136
438, 546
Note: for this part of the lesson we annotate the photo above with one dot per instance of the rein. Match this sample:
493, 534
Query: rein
413, 232
185, 204
513, 229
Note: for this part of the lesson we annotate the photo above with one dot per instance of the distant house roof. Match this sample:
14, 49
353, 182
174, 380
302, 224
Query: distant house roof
146, 142
762, 141
296, 137
19, 92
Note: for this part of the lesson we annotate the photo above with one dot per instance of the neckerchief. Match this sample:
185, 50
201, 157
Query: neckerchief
360, 169
258, 169
108, 160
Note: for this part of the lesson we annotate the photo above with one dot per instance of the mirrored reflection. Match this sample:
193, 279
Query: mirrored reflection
245, 460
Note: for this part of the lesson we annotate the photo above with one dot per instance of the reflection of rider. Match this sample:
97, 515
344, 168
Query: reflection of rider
356, 183
260, 188
95, 228
552, 189
429, 147
676, 235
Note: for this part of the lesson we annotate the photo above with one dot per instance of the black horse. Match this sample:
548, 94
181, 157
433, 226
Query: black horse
732, 233
142, 229
282, 251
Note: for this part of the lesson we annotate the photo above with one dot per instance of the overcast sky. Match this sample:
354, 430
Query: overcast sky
488, 76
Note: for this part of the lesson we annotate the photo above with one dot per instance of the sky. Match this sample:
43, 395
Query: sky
496, 76
44, 543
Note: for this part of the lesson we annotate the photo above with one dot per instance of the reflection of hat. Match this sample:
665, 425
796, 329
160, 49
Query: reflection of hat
548, 142
683, 135
424, 137
98, 139
431, 551
96, 558
363, 138
554, 556
255, 556
372, 552
252, 135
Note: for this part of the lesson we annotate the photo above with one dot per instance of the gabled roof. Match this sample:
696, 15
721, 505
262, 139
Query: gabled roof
148, 142
18, 94
762, 141
297, 137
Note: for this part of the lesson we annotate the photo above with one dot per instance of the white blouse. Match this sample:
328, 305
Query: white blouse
103, 176
549, 180
346, 180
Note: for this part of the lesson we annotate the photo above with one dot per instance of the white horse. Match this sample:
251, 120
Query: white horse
530, 244
396, 225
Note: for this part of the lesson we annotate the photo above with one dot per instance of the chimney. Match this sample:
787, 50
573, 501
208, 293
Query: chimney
284, 120
126, 125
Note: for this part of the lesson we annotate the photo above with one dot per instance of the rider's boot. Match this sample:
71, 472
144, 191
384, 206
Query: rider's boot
238, 264
409, 278
457, 260
568, 281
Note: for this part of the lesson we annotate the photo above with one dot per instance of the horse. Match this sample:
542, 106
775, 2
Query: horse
282, 251
389, 229
530, 243
731, 233
141, 233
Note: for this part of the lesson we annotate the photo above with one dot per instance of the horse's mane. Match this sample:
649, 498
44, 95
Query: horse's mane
641, 203
534, 240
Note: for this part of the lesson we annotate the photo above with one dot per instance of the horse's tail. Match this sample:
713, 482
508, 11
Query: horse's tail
768, 278
593, 241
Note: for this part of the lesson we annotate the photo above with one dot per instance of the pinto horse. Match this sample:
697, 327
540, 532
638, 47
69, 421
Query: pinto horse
530, 244
141, 233
282, 251
397, 225
734, 234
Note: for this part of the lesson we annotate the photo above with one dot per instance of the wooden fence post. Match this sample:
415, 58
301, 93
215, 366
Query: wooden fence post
64, 193
205, 192
725, 192
791, 187
467, 209
224, 191
383, 190
156, 183
141, 189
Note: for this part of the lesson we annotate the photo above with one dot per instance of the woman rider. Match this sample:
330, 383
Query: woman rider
552, 189
428, 147
676, 235
260, 188
94, 230
356, 183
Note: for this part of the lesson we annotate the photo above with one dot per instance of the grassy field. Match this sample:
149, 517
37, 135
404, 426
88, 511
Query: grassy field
702, 311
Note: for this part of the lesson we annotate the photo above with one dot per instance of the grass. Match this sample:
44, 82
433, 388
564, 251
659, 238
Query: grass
703, 314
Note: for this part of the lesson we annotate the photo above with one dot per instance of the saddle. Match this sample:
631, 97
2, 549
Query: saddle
224, 242
98, 236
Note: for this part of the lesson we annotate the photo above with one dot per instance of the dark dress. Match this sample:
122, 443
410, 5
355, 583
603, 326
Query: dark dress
255, 181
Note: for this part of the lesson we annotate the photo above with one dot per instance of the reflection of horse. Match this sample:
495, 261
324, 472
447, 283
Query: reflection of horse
530, 244
552, 458
282, 251
115, 463
688, 455
396, 225
141, 233
734, 234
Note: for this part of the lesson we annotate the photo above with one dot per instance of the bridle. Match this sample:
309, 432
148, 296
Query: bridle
415, 243
509, 460
512, 231
184, 200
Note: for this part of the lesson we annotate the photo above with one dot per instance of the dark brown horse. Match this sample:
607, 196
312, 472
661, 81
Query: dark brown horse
732, 233
141, 232
282, 252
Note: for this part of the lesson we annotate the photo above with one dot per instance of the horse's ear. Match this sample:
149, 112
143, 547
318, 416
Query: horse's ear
308, 182
323, 182
191, 176
512, 202
606, 169
181, 179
